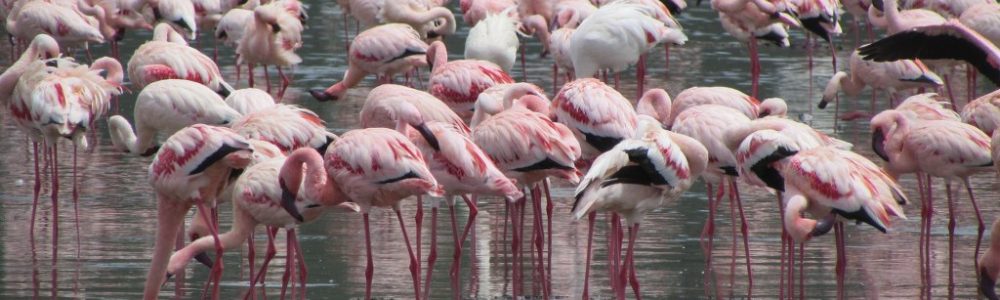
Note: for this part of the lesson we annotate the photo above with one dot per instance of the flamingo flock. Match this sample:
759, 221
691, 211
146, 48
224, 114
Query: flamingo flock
469, 129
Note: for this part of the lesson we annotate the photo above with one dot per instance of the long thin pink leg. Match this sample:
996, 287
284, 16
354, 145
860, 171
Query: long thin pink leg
979, 218
745, 230
640, 75
250, 75
666, 57
289, 262
37, 191
432, 255
927, 240
303, 271
754, 67
251, 257
370, 266
76, 203
515, 247
842, 260
802, 263
555, 78
414, 262
456, 256
539, 232
951, 242
548, 215
590, 240
506, 260
418, 221
55, 217
285, 82
708, 236
630, 260
217, 265
784, 241
267, 79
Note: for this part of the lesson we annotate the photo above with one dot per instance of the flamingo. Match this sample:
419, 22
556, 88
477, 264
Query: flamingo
42, 47
168, 106
246, 101
67, 26
384, 102
179, 14
758, 17
529, 148
360, 160
708, 124
949, 8
474, 11
491, 100
559, 46
458, 83
886, 14
191, 168
259, 194
636, 176
168, 57
418, 15
947, 149
384, 50
114, 17
494, 39
984, 112
891, 76
989, 264
831, 183
747, 105
271, 39
597, 114
569, 13
928, 106
819, 17
620, 27
287, 126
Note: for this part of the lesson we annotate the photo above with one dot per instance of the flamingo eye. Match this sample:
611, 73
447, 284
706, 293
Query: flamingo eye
275, 28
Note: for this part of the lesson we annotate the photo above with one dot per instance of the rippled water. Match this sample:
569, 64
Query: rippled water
117, 211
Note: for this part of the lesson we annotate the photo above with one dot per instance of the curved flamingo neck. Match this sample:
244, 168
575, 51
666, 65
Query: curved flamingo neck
316, 184
797, 226
243, 225
115, 75
437, 54
655, 103
170, 217
447, 27
122, 136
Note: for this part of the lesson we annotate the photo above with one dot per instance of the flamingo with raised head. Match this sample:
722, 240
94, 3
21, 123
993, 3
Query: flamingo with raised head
191, 168
271, 39
167, 56
384, 50
636, 176
168, 106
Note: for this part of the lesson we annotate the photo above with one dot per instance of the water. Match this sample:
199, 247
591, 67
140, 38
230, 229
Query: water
117, 211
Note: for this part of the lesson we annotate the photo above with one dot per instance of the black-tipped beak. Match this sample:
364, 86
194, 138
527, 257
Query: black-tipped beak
288, 202
428, 136
432, 35
878, 144
169, 275
321, 95
823, 103
151, 151
923, 79
204, 259
224, 92
879, 4
764, 113
824, 225
242, 2
987, 286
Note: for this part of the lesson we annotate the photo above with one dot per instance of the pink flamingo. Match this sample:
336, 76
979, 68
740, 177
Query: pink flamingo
625, 28
529, 148
360, 160
258, 196
474, 11
271, 39
458, 83
928, 106
597, 114
114, 17
831, 183
708, 124
569, 13
246, 101
989, 264
384, 102
984, 112
891, 76
494, 39
67, 26
636, 176
886, 14
751, 16
431, 22
42, 46
947, 149
168, 106
745, 104
191, 168
168, 56
559, 46
384, 50
491, 100
287, 126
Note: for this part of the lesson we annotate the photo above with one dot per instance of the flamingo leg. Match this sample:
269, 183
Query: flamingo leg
979, 218
76, 202
267, 79
217, 265
37, 191
370, 266
951, 241
666, 57
555, 78
590, 240
250, 75
414, 262
784, 241
735, 231
923, 227
456, 255
250, 261
55, 216
303, 270
289, 262
432, 255
548, 215
515, 247
236, 65
285, 81
708, 236
612, 260
927, 231
754, 67
506, 261
640, 75
536, 195
418, 221
745, 230
630, 261
948, 87
841, 260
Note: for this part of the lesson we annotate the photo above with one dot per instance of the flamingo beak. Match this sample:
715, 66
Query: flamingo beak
878, 144
987, 285
204, 259
288, 202
824, 225
428, 135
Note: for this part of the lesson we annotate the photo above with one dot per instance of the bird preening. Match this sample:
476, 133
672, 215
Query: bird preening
458, 112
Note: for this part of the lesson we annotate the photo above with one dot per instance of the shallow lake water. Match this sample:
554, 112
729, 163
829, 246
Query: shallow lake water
109, 256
